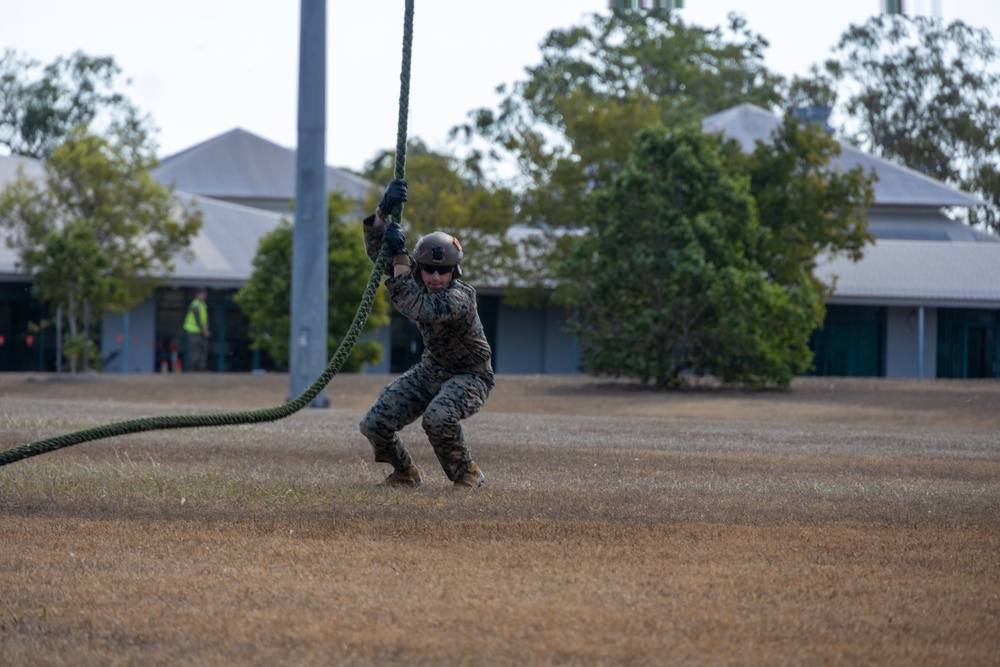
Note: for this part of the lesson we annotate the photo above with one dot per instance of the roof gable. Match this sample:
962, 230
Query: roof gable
241, 165
896, 186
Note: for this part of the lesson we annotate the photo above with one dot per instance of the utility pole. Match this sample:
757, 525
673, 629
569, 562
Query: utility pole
307, 348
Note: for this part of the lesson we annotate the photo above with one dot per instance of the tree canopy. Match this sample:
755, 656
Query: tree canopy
806, 209
668, 279
39, 109
266, 297
677, 252
926, 95
568, 127
99, 231
449, 195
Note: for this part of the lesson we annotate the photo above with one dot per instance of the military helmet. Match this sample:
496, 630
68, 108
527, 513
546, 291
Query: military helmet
439, 249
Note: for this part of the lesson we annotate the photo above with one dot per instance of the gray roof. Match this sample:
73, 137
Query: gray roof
13, 166
921, 256
226, 244
242, 165
896, 186
224, 247
929, 273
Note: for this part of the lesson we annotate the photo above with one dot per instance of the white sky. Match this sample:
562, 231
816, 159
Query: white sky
203, 67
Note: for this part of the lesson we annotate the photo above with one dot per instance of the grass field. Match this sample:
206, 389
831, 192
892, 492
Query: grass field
846, 522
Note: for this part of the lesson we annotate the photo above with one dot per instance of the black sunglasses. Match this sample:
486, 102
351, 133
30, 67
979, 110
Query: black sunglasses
437, 269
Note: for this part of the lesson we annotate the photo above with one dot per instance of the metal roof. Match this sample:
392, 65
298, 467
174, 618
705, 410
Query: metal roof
226, 243
956, 272
930, 273
896, 186
223, 249
242, 165
13, 166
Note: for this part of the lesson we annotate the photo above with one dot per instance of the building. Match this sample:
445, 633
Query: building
243, 170
924, 301
244, 186
149, 335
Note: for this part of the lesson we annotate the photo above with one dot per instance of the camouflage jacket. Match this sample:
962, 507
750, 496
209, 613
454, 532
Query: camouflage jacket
448, 321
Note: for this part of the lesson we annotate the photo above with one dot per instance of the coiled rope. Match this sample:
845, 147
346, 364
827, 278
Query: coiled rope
332, 368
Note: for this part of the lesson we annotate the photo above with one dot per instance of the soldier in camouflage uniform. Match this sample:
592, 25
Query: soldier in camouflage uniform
455, 374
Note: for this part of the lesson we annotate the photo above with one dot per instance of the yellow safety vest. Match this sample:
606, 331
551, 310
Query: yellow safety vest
197, 317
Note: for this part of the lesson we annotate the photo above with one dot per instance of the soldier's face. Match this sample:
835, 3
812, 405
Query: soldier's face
435, 281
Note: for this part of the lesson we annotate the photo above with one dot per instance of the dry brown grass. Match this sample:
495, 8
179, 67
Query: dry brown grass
844, 522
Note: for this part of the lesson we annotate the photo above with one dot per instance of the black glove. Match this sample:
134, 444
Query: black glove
393, 237
394, 195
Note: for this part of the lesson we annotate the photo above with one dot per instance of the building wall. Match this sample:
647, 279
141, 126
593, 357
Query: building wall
529, 341
851, 342
25, 345
524, 341
383, 338
128, 342
968, 343
533, 341
903, 343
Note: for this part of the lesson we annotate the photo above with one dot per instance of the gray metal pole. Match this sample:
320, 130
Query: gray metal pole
59, 340
307, 345
920, 343
125, 342
86, 337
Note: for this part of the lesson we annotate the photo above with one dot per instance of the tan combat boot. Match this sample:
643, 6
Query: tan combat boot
472, 479
409, 477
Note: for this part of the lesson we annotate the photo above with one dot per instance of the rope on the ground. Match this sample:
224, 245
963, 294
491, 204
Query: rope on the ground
333, 367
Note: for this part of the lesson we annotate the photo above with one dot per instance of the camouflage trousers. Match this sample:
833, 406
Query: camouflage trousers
443, 398
198, 352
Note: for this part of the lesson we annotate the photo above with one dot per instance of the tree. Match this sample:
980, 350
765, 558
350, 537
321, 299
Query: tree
99, 231
37, 115
737, 297
450, 196
926, 95
667, 280
568, 127
266, 296
805, 208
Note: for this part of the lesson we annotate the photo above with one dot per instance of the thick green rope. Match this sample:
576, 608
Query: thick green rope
303, 399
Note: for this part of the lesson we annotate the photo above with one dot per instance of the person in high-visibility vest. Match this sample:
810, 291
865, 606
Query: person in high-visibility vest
196, 328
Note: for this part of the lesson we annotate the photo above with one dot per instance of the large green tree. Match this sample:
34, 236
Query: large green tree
568, 127
927, 95
40, 106
667, 279
266, 296
98, 231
